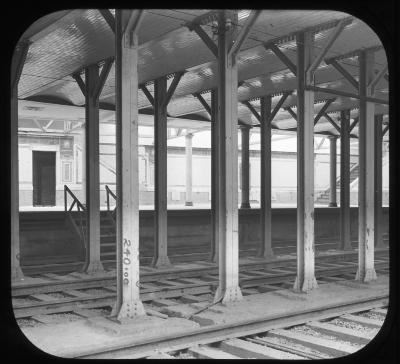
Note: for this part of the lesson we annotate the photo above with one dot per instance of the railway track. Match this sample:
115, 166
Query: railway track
331, 337
77, 296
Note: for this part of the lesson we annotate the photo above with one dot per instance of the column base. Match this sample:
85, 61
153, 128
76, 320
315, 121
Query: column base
94, 268
266, 254
332, 204
308, 285
16, 274
214, 258
346, 247
161, 262
369, 275
231, 294
245, 205
188, 203
130, 310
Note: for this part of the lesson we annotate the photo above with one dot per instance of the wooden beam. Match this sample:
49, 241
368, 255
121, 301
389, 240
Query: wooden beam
134, 21
353, 124
204, 37
345, 237
252, 109
378, 181
77, 77
332, 37
279, 105
245, 172
204, 103
128, 305
147, 93
265, 249
173, 86
109, 18
377, 78
323, 110
291, 112
344, 72
283, 57
332, 170
244, 32
331, 121
103, 77
160, 259
93, 263
305, 279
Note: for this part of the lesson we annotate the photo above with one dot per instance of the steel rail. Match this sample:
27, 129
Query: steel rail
147, 294
210, 334
93, 282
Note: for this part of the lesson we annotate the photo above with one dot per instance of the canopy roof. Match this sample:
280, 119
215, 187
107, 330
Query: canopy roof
67, 41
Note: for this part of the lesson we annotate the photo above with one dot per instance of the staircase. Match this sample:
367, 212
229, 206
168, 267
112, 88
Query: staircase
77, 220
324, 197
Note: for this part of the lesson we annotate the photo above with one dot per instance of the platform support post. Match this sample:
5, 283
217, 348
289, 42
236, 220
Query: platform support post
227, 183
93, 263
128, 305
245, 175
366, 184
345, 238
265, 171
188, 170
305, 280
160, 259
378, 181
332, 165
215, 210
17, 64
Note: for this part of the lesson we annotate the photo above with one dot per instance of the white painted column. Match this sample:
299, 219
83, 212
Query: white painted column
128, 304
366, 184
378, 181
305, 279
228, 288
332, 168
188, 170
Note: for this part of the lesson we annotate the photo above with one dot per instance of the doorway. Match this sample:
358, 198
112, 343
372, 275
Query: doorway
44, 178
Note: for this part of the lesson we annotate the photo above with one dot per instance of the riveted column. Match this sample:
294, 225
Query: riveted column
93, 262
160, 259
215, 207
188, 171
378, 181
305, 280
345, 239
265, 172
366, 184
228, 288
128, 305
245, 175
17, 65
332, 165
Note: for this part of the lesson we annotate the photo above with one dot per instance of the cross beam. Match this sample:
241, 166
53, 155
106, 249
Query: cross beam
332, 122
323, 109
109, 18
344, 72
283, 57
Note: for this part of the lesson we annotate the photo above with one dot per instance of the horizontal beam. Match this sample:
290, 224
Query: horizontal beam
346, 94
353, 53
283, 57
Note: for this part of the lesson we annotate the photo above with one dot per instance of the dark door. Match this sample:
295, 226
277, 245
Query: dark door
44, 178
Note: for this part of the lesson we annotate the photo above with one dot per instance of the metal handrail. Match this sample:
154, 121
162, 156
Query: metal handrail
114, 196
81, 213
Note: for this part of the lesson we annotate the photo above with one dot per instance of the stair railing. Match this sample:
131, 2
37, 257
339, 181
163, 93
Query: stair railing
79, 227
112, 212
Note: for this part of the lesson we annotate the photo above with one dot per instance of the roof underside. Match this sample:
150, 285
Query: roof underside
67, 41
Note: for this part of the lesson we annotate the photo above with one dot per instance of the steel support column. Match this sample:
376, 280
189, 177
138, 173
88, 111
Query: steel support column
188, 170
17, 65
227, 183
378, 181
265, 172
245, 175
345, 239
305, 280
93, 263
160, 259
366, 183
215, 208
128, 304
332, 165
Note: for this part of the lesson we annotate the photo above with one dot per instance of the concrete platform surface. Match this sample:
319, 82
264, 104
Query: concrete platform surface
83, 336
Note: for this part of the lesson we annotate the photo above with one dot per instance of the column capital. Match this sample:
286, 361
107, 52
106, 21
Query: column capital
245, 127
333, 137
189, 135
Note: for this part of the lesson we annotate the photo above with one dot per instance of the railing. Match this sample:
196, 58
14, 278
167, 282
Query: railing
79, 227
114, 196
